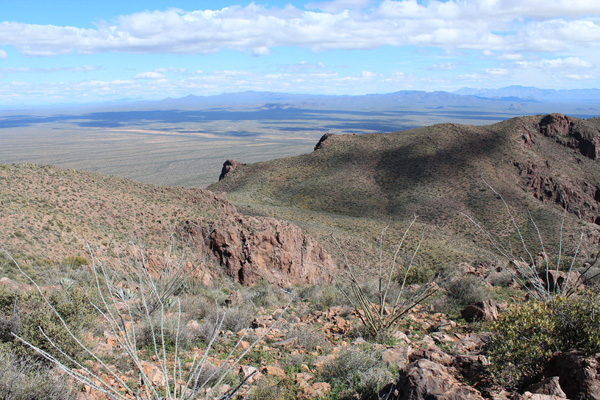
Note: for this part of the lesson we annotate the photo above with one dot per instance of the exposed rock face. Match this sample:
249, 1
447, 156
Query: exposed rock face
434, 375
228, 166
579, 197
568, 132
319, 145
424, 379
578, 375
276, 251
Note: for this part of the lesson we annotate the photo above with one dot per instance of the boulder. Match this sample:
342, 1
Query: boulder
578, 374
426, 380
268, 249
483, 311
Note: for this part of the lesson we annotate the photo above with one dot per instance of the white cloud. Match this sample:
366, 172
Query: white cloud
149, 75
515, 25
556, 63
443, 66
578, 77
3, 55
83, 68
497, 71
172, 70
338, 5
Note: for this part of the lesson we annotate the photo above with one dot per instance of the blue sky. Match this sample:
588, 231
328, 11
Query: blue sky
79, 52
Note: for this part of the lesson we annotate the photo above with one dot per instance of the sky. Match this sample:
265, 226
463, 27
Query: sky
117, 50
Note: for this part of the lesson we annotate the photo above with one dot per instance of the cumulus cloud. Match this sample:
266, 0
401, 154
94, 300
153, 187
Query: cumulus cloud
519, 25
556, 63
149, 75
497, 71
443, 66
83, 68
338, 5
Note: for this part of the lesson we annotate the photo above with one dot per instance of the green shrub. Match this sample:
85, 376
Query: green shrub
467, 290
269, 388
75, 261
23, 378
322, 297
262, 294
356, 372
27, 315
527, 335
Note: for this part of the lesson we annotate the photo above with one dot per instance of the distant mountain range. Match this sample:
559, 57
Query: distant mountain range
527, 93
516, 98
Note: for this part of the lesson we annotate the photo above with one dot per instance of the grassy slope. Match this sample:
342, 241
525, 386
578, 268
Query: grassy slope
50, 213
358, 184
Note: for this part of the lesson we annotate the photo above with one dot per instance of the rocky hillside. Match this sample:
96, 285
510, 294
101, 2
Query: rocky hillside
50, 214
537, 163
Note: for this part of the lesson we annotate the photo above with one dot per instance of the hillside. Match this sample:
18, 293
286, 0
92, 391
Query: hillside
51, 214
537, 163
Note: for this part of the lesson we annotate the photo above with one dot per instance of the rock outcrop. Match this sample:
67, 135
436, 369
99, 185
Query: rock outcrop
571, 133
228, 167
252, 249
578, 375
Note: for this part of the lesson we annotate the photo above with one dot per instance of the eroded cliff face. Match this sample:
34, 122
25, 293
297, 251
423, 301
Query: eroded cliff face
573, 133
253, 249
550, 180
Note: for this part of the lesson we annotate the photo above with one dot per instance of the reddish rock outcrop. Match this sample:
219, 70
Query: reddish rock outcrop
254, 249
579, 197
228, 167
424, 379
568, 132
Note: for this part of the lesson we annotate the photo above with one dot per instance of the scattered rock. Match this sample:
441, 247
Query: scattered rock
273, 370
397, 356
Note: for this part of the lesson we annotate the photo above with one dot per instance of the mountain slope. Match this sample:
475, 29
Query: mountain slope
538, 163
50, 214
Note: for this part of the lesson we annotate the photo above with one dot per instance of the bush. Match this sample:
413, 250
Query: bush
467, 290
528, 334
356, 372
23, 378
26, 314
308, 337
323, 297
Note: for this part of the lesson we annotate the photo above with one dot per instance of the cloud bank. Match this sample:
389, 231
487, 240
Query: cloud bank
528, 26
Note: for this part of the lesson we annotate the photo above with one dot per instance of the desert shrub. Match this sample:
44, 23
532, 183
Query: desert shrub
322, 297
500, 277
23, 378
355, 372
269, 388
183, 377
263, 294
382, 305
527, 335
26, 314
308, 337
196, 306
419, 273
467, 290
171, 332
75, 261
